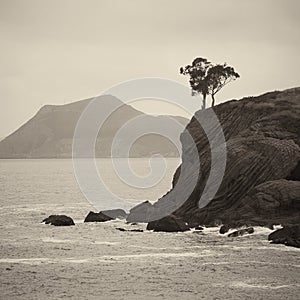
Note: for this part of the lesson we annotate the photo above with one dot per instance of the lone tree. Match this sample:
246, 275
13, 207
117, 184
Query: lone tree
197, 72
208, 79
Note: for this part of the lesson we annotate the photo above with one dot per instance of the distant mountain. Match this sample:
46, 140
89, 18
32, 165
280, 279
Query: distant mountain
49, 134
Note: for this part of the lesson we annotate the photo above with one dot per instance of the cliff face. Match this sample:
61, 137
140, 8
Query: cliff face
49, 134
261, 182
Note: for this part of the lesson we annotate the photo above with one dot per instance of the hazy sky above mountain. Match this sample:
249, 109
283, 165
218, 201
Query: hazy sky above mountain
59, 51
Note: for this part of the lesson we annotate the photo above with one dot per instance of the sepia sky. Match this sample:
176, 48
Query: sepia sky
59, 51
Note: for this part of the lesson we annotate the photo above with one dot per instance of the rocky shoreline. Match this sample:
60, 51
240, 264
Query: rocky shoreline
288, 235
261, 184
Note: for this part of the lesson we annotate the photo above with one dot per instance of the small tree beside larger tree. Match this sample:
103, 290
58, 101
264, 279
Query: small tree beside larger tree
208, 79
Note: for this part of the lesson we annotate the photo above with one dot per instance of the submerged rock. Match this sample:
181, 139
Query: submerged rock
199, 228
140, 213
97, 217
288, 235
241, 232
121, 229
59, 220
131, 230
168, 224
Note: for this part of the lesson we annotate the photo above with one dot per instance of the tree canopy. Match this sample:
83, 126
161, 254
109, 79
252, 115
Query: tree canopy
207, 78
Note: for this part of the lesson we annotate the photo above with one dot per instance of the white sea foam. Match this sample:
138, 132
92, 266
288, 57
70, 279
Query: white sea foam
75, 241
250, 262
240, 284
105, 258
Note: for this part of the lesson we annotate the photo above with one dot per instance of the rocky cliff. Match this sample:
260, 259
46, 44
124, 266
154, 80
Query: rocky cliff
49, 134
261, 183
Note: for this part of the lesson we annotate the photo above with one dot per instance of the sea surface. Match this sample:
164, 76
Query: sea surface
96, 261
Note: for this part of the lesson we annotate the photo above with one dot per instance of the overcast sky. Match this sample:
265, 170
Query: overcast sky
59, 51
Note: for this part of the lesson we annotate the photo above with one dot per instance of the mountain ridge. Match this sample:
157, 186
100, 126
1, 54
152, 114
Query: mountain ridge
49, 133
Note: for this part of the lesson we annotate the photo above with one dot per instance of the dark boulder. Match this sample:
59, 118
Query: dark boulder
288, 235
121, 229
224, 229
168, 224
241, 232
59, 220
140, 213
199, 228
97, 217
115, 213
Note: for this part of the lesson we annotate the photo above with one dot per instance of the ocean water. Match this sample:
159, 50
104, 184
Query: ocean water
96, 261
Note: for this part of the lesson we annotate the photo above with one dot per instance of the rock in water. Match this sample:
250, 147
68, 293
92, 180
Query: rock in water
115, 213
121, 229
130, 230
59, 220
224, 229
168, 224
241, 232
140, 213
199, 228
97, 217
288, 235
260, 185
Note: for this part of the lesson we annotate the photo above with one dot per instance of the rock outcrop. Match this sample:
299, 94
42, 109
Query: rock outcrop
241, 232
140, 213
261, 181
168, 224
59, 220
115, 213
289, 236
97, 217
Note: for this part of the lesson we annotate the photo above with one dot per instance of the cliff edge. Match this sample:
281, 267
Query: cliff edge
261, 183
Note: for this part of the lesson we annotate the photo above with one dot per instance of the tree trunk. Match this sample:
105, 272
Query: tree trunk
213, 100
204, 101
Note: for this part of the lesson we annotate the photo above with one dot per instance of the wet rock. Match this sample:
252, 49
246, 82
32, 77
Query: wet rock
199, 228
288, 235
241, 232
140, 213
224, 229
121, 229
59, 220
97, 217
130, 230
168, 224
